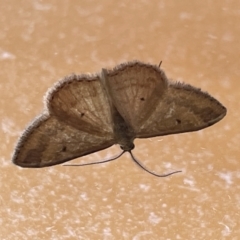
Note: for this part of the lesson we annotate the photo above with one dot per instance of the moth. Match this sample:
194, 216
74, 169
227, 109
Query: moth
87, 113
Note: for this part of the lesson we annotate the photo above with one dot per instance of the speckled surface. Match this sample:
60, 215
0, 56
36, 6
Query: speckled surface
198, 42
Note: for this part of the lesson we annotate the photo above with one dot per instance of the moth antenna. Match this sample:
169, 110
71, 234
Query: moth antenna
144, 168
91, 163
159, 65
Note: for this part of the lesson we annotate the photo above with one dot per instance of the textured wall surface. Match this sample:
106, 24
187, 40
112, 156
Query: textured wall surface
198, 42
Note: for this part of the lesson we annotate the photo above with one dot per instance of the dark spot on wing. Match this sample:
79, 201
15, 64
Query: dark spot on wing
178, 121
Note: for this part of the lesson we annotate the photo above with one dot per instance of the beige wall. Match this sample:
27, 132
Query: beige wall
199, 43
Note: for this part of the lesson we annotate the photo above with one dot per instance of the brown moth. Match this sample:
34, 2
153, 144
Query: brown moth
88, 113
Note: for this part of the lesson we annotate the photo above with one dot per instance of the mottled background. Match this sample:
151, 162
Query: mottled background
199, 43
